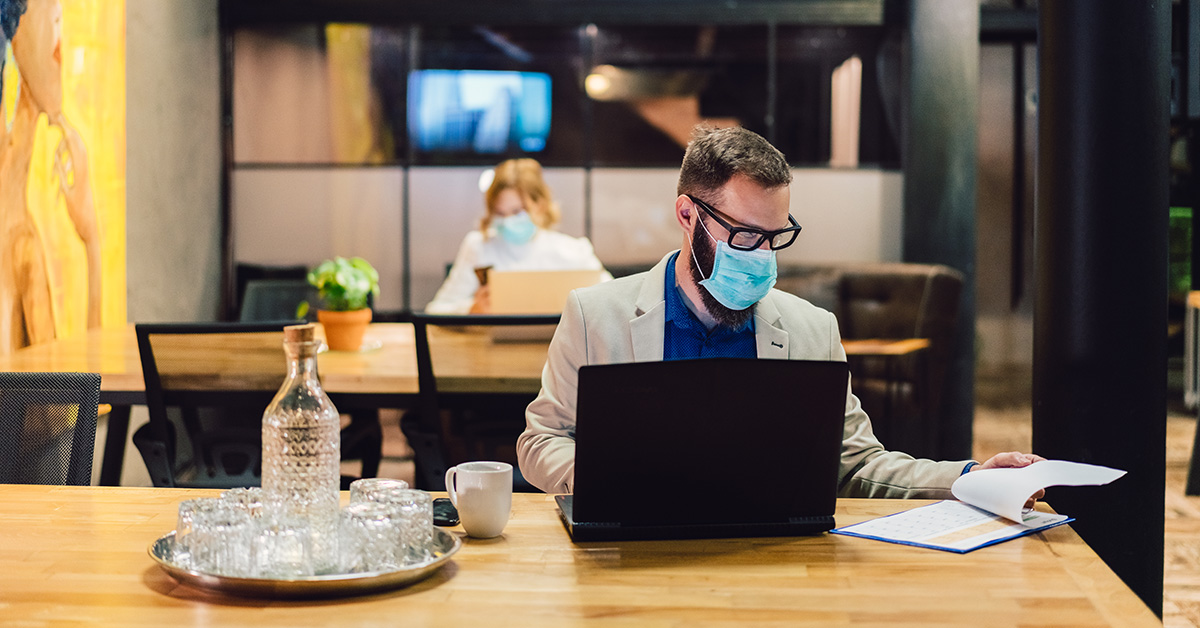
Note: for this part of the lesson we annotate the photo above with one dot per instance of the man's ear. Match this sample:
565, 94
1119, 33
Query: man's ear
683, 212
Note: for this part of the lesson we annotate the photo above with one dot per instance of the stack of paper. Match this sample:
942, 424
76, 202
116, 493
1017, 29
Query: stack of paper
992, 508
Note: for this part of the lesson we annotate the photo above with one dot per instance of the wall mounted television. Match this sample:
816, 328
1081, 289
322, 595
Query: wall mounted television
483, 112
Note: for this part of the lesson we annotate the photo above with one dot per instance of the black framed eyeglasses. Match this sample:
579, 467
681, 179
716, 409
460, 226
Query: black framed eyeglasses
747, 239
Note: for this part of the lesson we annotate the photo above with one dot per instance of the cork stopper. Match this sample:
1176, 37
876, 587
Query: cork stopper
299, 333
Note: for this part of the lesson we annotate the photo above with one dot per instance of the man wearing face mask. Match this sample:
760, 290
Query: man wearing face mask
714, 298
516, 233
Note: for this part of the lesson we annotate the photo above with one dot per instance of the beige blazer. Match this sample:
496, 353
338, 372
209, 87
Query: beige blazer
623, 321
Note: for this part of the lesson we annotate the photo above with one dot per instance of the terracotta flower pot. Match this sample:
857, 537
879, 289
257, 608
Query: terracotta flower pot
344, 330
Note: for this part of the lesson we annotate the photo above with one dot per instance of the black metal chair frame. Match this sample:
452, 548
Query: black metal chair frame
361, 439
156, 441
425, 434
80, 389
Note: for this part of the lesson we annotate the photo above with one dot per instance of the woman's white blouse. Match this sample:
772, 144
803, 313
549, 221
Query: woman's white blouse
547, 250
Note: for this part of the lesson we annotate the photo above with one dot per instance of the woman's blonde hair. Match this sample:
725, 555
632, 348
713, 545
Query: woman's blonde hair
524, 176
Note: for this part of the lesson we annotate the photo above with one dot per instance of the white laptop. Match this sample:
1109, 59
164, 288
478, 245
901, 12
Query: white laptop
534, 292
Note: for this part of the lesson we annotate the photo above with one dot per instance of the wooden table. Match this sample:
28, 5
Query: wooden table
884, 347
78, 555
467, 360
384, 374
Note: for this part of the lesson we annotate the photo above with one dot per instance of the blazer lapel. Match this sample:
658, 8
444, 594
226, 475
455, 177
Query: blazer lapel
646, 327
647, 334
772, 341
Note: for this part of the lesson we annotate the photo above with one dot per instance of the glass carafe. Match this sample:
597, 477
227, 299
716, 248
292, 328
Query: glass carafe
301, 439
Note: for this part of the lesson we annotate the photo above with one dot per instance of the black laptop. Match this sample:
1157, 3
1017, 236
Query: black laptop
711, 448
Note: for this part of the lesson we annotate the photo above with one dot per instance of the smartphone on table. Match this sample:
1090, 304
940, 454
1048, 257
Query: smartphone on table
444, 512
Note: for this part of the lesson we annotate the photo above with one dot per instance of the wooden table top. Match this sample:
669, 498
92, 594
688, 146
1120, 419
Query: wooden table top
885, 347
464, 360
78, 555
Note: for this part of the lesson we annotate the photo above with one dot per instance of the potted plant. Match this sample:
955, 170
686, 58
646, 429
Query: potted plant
344, 286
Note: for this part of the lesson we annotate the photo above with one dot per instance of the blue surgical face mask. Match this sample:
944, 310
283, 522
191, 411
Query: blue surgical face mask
517, 228
739, 279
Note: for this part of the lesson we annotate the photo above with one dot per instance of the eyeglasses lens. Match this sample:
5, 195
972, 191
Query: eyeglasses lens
746, 240
783, 240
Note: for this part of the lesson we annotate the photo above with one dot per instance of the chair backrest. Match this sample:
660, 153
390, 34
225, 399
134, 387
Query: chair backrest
425, 435
899, 301
48, 427
891, 301
220, 368
905, 301
276, 299
244, 273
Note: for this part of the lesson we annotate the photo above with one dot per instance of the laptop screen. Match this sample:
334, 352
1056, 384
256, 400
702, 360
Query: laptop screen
707, 441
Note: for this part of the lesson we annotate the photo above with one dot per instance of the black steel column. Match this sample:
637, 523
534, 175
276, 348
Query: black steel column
1099, 386
941, 112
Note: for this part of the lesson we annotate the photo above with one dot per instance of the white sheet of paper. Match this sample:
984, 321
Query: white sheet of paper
1004, 491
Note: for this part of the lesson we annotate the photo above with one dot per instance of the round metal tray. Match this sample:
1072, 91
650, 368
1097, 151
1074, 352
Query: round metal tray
445, 545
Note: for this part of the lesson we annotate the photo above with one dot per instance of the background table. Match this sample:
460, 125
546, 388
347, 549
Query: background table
468, 360
78, 555
383, 375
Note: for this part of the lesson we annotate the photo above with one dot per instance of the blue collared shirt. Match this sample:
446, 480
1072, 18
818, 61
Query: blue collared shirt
686, 338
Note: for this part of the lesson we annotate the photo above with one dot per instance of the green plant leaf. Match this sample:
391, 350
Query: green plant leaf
345, 284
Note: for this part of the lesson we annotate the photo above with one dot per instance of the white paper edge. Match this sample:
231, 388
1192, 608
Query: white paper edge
1005, 491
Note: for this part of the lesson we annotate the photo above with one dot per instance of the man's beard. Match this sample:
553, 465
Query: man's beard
705, 252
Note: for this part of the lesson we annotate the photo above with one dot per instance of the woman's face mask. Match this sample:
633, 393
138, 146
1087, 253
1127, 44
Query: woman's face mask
517, 228
739, 279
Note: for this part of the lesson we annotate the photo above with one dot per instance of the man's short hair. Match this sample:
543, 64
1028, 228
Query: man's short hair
714, 156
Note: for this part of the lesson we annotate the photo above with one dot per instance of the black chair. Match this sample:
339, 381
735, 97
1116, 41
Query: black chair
276, 299
48, 427
244, 273
205, 428
480, 426
220, 443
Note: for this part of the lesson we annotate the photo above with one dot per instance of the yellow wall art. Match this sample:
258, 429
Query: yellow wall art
62, 169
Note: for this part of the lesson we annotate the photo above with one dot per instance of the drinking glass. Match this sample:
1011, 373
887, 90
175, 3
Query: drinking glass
416, 522
185, 526
282, 546
370, 537
252, 499
370, 489
221, 540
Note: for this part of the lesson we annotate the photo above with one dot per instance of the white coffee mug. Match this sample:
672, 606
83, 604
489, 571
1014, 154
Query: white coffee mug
482, 493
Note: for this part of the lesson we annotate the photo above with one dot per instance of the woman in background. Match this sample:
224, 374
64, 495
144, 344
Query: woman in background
516, 233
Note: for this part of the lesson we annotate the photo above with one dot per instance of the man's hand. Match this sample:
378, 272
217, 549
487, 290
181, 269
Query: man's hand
1012, 460
1008, 460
